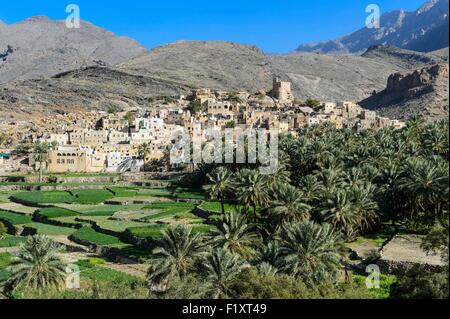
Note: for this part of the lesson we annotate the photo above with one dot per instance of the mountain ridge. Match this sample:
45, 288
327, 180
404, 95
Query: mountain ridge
41, 47
425, 29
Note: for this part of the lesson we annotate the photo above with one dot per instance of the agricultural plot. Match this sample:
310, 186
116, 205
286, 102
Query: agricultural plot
189, 193
50, 230
39, 197
15, 219
11, 241
90, 235
55, 212
97, 271
156, 192
17, 208
89, 196
53, 197
217, 207
106, 223
162, 211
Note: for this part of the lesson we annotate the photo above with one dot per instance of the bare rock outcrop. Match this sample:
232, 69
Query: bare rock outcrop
421, 92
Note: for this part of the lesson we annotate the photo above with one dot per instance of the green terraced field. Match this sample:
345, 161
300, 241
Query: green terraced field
88, 234
189, 193
168, 210
91, 196
50, 230
39, 197
100, 273
216, 207
149, 232
15, 219
87, 196
55, 212
114, 225
11, 241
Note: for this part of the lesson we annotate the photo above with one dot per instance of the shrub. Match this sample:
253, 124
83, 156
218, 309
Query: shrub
421, 284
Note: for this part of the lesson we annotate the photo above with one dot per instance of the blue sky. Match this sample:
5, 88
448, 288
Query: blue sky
275, 26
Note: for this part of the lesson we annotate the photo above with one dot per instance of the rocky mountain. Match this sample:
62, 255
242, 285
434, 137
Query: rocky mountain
423, 30
215, 64
182, 66
420, 92
40, 47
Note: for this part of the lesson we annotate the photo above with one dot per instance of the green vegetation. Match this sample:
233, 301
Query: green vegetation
283, 235
155, 192
94, 270
90, 235
194, 107
169, 209
50, 230
5, 260
11, 241
15, 219
124, 191
189, 193
88, 196
40, 197
55, 212
149, 232
54, 197
105, 222
216, 207
36, 266
386, 283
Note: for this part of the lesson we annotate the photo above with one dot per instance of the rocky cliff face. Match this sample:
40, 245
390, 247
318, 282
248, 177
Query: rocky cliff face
421, 92
40, 47
426, 77
423, 30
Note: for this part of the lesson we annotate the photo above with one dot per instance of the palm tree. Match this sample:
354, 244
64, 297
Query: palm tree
340, 212
288, 205
251, 189
236, 236
175, 255
144, 150
282, 173
220, 179
40, 151
129, 118
310, 188
310, 251
425, 182
36, 266
222, 269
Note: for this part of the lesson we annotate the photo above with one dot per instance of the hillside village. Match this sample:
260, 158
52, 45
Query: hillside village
109, 141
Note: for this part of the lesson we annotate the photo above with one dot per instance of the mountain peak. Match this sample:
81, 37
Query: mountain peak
427, 6
60, 50
424, 30
38, 18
